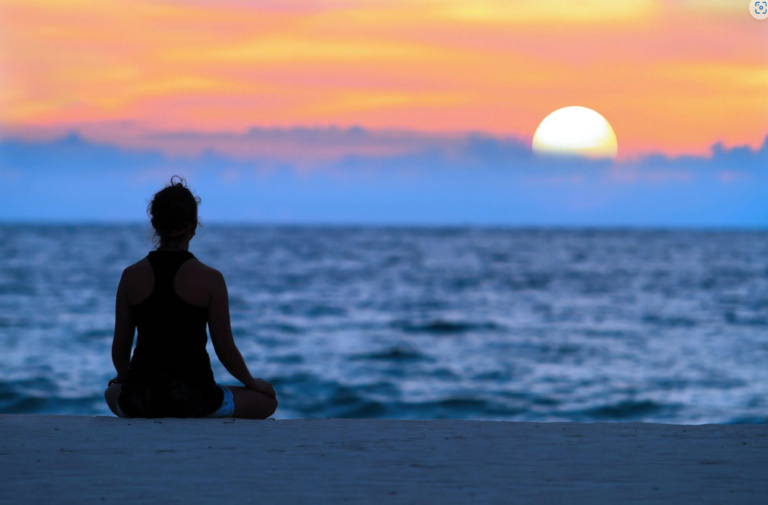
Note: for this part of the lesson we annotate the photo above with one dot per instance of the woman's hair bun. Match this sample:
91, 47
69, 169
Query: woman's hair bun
173, 210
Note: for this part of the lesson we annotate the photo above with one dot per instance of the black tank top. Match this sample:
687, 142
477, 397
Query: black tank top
170, 373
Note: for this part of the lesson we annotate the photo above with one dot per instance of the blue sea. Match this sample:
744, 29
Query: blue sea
421, 323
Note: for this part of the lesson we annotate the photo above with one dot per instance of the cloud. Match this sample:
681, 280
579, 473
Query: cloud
406, 179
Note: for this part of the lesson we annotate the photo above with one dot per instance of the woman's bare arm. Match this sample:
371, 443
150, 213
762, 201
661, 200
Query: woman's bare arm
125, 328
223, 341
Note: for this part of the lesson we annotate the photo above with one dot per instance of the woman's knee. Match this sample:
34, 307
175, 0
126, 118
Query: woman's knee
273, 405
269, 405
111, 395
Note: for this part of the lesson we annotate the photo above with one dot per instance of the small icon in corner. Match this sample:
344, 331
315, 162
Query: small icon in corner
759, 9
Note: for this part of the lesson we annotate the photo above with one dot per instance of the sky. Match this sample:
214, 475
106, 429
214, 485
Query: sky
402, 111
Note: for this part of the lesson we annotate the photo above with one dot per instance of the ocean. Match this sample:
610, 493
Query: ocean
420, 323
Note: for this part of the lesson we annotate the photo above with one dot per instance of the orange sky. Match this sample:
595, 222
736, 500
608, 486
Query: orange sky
673, 76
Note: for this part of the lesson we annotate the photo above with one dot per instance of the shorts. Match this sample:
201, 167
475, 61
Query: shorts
227, 408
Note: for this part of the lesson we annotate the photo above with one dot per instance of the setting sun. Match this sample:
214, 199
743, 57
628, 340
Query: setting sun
575, 131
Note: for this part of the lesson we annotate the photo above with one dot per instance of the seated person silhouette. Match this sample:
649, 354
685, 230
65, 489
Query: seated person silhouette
169, 297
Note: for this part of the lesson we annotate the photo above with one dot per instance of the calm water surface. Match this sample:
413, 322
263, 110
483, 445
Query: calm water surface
545, 325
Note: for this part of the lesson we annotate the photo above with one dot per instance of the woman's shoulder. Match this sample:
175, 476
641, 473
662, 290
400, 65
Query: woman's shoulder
137, 269
202, 273
200, 268
199, 282
137, 281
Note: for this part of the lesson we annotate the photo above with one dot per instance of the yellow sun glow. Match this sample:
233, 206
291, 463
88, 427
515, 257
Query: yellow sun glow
575, 131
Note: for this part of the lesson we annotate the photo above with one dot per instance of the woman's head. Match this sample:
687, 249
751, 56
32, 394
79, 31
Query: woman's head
173, 212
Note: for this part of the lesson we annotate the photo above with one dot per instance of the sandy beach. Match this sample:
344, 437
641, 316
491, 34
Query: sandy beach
74, 459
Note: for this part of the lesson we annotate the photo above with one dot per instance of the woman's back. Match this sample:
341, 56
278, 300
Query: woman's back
171, 332
168, 299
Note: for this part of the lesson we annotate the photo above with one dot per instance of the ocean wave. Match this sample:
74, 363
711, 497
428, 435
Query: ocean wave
35, 396
392, 354
627, 409
443, 327
527, 325
675, 321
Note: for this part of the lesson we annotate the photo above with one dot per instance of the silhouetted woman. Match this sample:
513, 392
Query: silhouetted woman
170, 296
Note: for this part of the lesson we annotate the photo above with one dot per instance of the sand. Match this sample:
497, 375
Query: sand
75, 459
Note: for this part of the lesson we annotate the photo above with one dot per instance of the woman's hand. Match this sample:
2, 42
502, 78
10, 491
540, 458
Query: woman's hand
117, 380
261, 386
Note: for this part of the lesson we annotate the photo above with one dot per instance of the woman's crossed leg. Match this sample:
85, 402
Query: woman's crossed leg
249, 404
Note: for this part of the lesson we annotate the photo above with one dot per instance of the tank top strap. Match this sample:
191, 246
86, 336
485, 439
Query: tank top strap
165, 264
